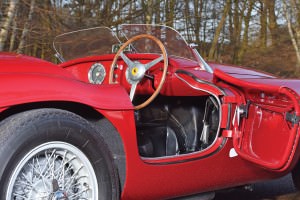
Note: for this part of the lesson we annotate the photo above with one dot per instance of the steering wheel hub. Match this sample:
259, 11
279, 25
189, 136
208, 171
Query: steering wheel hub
135, 73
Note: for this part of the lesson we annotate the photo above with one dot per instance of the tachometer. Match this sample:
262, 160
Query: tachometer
96, 73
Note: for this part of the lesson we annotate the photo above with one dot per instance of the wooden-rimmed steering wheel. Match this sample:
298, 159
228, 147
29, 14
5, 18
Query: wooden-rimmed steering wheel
135, 71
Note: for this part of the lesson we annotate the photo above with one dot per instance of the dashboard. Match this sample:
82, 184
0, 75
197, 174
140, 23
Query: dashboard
96, 69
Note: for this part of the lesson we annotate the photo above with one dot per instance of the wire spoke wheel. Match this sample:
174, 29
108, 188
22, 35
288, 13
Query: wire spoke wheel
53, 170
53, 154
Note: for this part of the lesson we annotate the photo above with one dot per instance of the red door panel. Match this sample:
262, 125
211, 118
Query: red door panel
266, 139
265, 130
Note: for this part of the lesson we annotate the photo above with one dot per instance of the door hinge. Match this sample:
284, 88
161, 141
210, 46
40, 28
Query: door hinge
241, 111
245, 109
292, 117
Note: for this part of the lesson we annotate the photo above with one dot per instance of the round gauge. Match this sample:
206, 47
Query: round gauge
96, 73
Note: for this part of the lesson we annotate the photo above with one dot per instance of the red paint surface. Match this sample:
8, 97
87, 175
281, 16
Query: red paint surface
265, 141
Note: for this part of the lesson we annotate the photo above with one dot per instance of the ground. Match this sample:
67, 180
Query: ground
280, 189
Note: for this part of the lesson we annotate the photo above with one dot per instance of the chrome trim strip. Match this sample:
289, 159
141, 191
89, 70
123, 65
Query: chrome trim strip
181, 71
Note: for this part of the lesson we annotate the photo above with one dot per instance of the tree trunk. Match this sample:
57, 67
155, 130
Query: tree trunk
273, 27
26, 28
13, 36
263, 24
148, 9
245, 40
157, 12
294, 35
204, 49
212, 51
7, 22
198, 8
169, 12
238, 21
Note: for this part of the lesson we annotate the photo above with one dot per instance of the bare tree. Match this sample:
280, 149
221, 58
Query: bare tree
292, 13
245, 40
272, 23
170, 12
238, 23
263, 24
212, 51
26, 28
148, 9
7, 23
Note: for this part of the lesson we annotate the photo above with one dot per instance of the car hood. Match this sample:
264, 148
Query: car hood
253, 78
247, 79
16, 63
260, 82
240, 72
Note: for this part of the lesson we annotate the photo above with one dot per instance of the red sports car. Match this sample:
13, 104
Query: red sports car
135, 113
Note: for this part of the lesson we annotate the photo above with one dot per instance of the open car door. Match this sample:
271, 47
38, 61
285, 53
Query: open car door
266, 120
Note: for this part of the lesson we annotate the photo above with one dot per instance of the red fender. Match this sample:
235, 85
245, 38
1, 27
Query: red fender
25, 79
25, 88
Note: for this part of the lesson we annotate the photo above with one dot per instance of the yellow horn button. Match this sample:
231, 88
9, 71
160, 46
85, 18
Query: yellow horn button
134, 71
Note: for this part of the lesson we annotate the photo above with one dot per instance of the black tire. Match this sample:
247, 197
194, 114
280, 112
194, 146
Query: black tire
296, 176
32, 140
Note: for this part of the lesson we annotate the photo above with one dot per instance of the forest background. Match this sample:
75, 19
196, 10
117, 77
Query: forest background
259, 34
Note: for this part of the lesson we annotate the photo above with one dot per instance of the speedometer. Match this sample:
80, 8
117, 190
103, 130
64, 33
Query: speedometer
96, 73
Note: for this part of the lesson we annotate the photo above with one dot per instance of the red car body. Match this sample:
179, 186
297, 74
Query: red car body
257, 139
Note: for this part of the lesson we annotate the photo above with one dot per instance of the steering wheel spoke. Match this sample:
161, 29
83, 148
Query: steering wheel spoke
126, 59
132, 90
153, 62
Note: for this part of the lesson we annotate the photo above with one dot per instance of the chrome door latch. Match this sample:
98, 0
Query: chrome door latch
292, 117
241, 111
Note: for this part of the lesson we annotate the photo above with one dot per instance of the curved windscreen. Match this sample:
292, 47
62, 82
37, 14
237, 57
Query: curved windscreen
86, 42
172, 40
103, 40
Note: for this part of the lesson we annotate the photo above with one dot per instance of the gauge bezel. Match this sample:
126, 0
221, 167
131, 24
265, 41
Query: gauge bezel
96, 67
